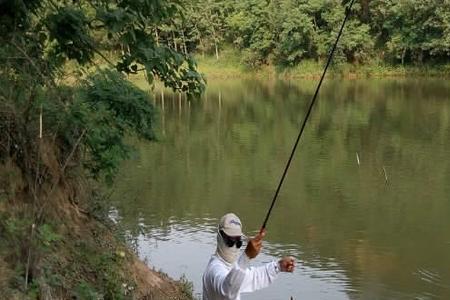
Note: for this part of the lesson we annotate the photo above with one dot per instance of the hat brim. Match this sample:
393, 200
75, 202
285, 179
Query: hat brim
232, 231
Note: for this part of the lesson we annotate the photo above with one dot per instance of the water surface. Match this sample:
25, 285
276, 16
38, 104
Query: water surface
365, 207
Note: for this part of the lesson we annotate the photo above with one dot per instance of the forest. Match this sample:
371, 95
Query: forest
285, 32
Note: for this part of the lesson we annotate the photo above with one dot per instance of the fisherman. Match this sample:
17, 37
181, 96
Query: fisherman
228, 274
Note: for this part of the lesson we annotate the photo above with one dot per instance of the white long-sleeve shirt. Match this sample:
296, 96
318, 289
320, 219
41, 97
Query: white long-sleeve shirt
225, 281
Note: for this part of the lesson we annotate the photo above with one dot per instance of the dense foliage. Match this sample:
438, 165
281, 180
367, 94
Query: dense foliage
66, 109
89, 111
286, 31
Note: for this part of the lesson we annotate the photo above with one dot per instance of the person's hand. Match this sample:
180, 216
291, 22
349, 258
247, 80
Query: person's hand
255, 244
287, 264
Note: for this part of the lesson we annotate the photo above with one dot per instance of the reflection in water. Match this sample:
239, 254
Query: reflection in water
355, 235
185, 245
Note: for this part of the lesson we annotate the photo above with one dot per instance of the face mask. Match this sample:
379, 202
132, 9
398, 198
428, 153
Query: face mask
229, 254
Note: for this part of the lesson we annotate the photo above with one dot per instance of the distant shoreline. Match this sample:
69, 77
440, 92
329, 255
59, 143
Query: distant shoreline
228, 68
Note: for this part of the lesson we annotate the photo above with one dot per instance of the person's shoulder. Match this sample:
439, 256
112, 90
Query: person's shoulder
214, 260
210, 267
216, 263
215, 268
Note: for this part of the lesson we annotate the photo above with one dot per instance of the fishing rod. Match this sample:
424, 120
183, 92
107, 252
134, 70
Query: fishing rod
330, 56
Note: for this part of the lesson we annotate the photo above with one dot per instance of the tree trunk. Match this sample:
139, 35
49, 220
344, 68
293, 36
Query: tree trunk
403, 56
184, 43
157, 36
217, 49
174, 41
365, 10
202, 46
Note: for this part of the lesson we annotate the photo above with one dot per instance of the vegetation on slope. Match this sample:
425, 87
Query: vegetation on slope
59, 140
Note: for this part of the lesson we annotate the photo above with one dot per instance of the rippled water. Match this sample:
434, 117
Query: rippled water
375, 229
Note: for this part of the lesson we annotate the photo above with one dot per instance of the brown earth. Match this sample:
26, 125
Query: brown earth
51, 232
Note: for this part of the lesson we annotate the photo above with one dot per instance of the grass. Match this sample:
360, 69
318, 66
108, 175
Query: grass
229, 65
88, 268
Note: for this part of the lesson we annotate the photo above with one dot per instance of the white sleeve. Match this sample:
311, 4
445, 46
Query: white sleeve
229, 284
241, 278
259, 277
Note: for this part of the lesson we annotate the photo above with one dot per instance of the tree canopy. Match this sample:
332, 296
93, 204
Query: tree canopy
62, 77
287, 31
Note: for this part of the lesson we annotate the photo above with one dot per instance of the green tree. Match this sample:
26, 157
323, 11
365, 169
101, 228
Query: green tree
66, 108
413, 30
40, 37
210, 17
253, 24
287, 31
297, 35
355, 44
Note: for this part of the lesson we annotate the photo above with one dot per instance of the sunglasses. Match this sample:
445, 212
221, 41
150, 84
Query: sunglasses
231, 241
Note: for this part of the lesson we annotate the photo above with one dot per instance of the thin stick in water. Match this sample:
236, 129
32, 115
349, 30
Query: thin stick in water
179, 104
385, 174
357, 158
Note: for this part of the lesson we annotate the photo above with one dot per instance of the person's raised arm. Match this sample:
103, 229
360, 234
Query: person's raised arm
260, 277
230, 285
255, 244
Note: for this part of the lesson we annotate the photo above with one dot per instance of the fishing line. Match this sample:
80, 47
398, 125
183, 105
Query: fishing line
330, 56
